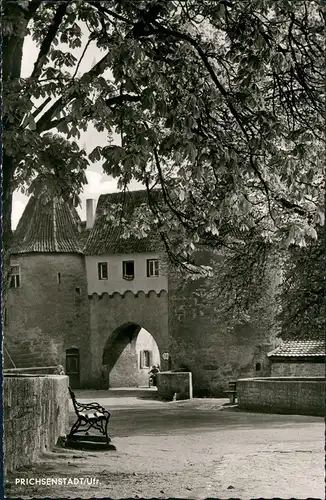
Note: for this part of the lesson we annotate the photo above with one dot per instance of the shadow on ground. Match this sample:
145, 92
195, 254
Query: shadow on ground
89, 445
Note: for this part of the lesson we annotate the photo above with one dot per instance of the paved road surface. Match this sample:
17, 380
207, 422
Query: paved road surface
192, 449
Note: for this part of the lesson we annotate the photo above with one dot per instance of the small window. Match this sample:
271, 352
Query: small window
258, 367
78, 291
152, 268
102, 270
59, 278
15, 277
145, 359
128, 269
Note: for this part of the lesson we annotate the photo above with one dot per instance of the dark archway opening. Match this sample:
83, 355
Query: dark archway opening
128, 355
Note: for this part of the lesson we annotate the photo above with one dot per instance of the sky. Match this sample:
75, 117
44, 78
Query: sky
98, 182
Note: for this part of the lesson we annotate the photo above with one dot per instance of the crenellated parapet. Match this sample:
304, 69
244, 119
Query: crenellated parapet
129, 294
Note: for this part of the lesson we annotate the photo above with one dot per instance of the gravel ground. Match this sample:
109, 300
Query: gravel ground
191, 449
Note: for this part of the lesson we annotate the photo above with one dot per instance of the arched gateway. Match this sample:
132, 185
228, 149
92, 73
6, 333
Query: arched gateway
127, 356
116, 323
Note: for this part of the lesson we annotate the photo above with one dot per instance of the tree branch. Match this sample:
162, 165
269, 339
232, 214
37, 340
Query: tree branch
82, 57
51, 34
166, 195
32, 8
44, 122
41, 107
120, 99
208, 66
48, 125
292, 206
104, 10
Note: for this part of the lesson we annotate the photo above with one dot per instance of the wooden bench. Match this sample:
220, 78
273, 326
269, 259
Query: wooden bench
232, 392
89, 415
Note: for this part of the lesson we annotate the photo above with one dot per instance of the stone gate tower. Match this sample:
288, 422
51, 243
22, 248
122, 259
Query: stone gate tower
47, 312
83, 297
128, 291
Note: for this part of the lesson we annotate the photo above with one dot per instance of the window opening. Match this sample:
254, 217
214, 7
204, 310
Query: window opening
15, 279
152, 268
145, 359
102, 271
128, 269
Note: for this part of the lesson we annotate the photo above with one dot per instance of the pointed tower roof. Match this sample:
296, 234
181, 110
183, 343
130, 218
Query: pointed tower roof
47, 225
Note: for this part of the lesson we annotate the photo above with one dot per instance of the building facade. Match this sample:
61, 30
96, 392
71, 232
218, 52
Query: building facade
107, 308
299, 358
82, 297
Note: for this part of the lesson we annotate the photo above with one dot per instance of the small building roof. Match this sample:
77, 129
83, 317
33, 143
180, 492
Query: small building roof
299, 348
105, 238
48, 225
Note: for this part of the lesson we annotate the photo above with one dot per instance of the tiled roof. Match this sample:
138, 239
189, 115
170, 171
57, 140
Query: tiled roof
104, 238
84, 234
299, 348
47, 225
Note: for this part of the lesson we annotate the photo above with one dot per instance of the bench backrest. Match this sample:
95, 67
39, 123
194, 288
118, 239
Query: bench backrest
73, 398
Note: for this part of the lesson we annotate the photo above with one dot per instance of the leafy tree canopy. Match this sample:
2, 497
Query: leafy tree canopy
218, 103
301, 297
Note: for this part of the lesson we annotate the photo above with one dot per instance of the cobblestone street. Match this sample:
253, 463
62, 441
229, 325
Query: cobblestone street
188, 449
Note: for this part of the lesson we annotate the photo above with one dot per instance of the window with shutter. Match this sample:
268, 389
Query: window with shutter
152, 268
102, 268
145, 359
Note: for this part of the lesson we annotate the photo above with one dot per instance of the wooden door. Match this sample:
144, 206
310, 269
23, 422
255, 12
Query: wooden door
72, 367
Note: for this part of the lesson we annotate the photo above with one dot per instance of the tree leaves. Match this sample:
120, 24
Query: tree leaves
301, 294
223, 113
31, 122
95, 155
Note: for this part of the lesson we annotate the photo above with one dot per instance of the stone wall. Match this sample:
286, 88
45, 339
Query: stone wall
205, 338
174, 383
35, 370
294, 395
111, 316
120, 361
127, 371
48, 313
297, 369
35, 416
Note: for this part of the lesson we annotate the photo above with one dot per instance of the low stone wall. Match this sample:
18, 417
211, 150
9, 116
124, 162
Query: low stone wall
171, 383
294, 395
37, 370
297, 369
36, 414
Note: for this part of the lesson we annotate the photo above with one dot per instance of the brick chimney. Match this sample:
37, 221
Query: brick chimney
90, 213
